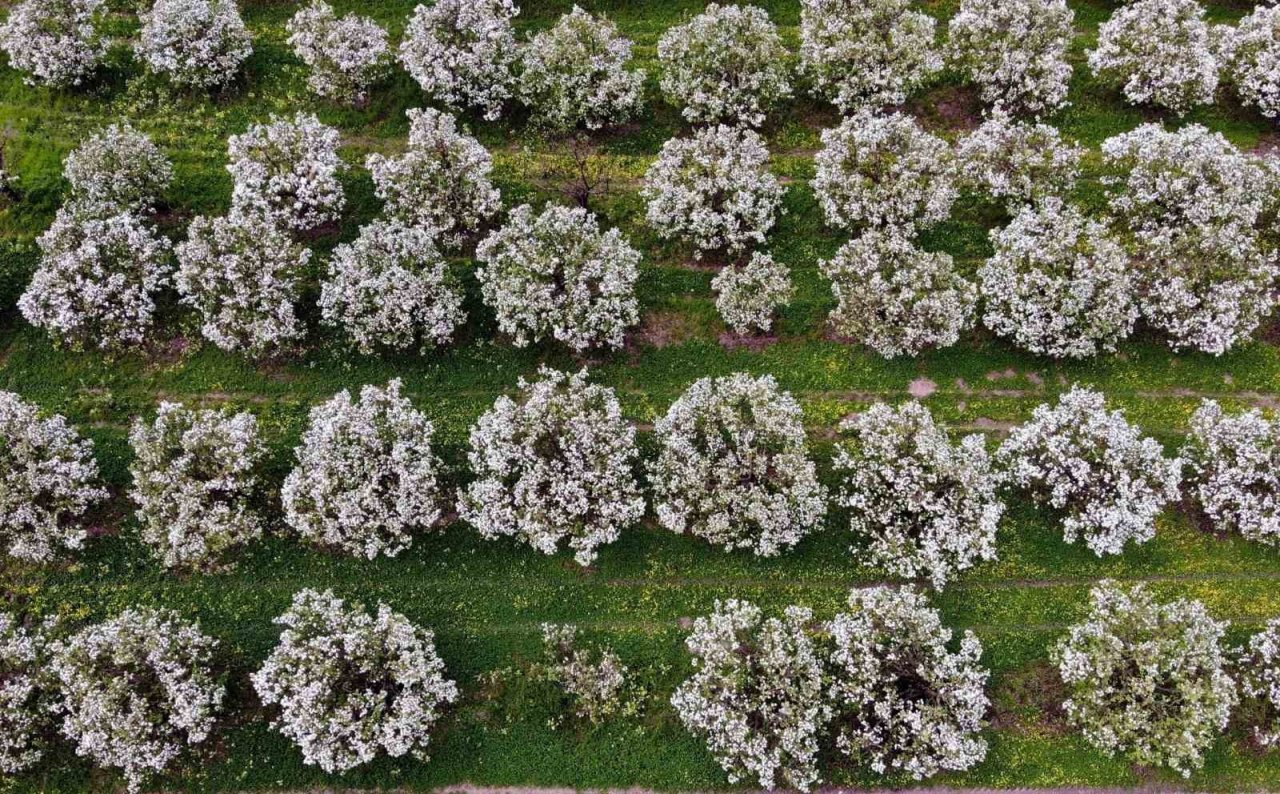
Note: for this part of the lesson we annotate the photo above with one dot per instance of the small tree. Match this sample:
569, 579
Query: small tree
1145, 679
193, 479
48, 480
1016, 51
463, 53
713, 190
1250, 54
58, 43
558, 275
884, 171
138, 691
866, 53
592, 681
896, 298
756, 695
288, 170
733, 467
575, 74
556, 464
1058, 283
241, 273
1160, 51
900, 700
1017, 162
350, 685
1235, 470
1094, 467
391, 288
926, 507
28, 695
117, 169
749, 294
195, 43
97, 279
441, 183
726, 64
1259, 671
345, 55
367, 475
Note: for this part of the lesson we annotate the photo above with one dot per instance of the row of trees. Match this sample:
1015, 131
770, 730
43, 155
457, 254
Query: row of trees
556, 465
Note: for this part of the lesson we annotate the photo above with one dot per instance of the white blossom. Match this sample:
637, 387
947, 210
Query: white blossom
1017, 162
48, 480
575, 74
1250, 53
866, 53
749, 294
241, 273
713, 189
1103, 477
1016, 51
1234, 464
1146, 680
138, 691
555, 464
756, 695
925, 507
288, 170
367, 475
558, 275
57, 43
896, 298
1259, 673
1058, 283
1160, 52
593, 681
193, 478
876, 170
195, 43
726, 64
733, 466
350, 685
117, 169
464, 53
345, 55
28, 701
441, 183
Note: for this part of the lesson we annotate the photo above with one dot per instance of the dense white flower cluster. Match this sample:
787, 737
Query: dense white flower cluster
1015, 50
592, 681
97, 279
902, 701
441, 183
1146, 679
1234, 464
350, 685
1250, 53
925, 507
1192, 204
241, 273
1058, 284
28, 705
884, 170
1160, 51
895, 297
866, 53
288, 170
750, 293
713, 189
1109, 481
391, 288
48, 479
117, 169
727, 64
195, 43
138, 690
558, 275
1017, 162
193, 477
558, 463
463, 53
575, 74
733, 466
367, 475
57, 43
345, 55
756, 695
1259, 672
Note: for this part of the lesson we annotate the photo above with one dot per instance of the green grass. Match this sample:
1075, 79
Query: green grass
486, 599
